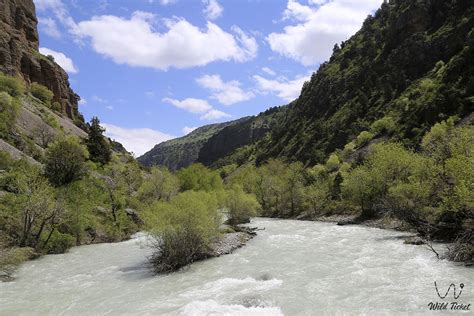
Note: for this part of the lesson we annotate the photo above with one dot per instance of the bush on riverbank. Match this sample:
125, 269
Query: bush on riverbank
240, 206
186, 226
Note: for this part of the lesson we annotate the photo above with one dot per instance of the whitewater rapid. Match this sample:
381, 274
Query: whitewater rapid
290, 268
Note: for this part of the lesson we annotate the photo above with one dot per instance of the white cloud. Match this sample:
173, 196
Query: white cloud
135, 42
62, 60
165, 2
311, 38
268, 71
109, 107
137, 140
213, 115
213, 9
190, 104
49, 27
187, 130
82, 101
226, 93
58, 9
287, 90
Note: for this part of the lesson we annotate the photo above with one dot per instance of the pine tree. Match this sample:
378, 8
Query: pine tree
97, 144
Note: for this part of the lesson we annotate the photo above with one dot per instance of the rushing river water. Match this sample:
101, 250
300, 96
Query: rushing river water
290, 268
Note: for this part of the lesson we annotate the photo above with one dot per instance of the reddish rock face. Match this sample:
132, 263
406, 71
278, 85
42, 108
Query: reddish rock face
19, 55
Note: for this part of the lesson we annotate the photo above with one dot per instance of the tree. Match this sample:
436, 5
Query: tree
160, 185
65, 161
35, 198
240, 206
97, 144
199, 178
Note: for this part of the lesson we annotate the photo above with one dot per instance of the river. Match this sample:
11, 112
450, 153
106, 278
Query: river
290, 268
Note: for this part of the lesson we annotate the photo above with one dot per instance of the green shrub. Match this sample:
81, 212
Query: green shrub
41, 92
186, 226
65, 161
9, 108
333, 163
385, 125
59, 242
11, 85
240, 206
10, 259
56, 106
363, 138
199, 178
348, 150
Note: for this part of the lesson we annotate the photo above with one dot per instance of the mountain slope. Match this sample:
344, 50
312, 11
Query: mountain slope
411, 63
183, 151
211, 144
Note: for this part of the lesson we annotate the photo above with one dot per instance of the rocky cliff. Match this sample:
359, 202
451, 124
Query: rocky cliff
19, 55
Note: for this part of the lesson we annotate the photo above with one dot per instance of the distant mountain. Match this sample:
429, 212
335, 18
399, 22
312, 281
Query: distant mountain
183, 151
410, 63
211, 143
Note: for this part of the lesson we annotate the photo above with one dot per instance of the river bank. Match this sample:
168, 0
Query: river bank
455, 250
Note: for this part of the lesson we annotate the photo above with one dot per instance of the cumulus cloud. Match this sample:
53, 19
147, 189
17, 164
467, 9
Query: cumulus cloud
49, 27
318, 26
212, 9
190, 104
268, 71
214, 114
135, 42
226, 93
287, 90
137, 140
59, 10
186, 130
62, 60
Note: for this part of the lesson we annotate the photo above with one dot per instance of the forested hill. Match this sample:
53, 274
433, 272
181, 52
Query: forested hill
411, 62
183, 151
410, 65
212, 144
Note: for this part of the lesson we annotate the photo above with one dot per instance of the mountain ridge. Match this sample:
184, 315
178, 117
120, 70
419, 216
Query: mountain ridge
410, 62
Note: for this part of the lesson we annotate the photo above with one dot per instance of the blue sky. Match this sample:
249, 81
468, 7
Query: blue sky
152, 70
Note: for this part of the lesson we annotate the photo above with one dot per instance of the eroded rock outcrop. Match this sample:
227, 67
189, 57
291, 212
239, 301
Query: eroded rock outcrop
19, 55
